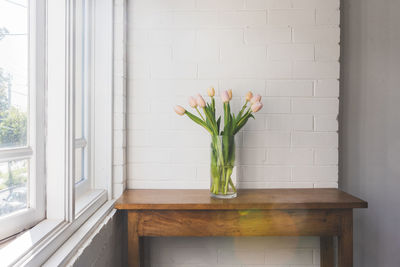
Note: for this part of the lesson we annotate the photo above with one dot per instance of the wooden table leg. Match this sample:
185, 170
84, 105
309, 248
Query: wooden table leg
133, 240
345, 240
327, 253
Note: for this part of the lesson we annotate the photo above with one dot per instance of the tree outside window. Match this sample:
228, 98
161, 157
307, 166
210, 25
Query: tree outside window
13, 117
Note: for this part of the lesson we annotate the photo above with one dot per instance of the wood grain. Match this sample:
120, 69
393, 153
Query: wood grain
255, 212
133, 239
266, 199
345, 240
327, 251
239, 223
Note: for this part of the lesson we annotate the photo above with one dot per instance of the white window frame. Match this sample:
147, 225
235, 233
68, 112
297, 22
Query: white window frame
34, 151
64, 214
61, 104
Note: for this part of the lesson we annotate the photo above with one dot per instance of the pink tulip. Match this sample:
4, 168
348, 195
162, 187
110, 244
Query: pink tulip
179, 110
230, 94
225, 96
211, 92
255, 99
200, 101
256, 107
249, 96
192, 102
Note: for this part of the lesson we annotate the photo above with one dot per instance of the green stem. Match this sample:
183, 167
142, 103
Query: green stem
223, 180
200, 114
212, 122
228, 178
248, 112
243, 108
232, 185
223, 156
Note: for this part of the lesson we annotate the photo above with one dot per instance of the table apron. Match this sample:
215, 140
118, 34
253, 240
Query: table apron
239, 222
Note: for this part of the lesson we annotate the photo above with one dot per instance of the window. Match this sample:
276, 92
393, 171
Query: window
14, 88
21, 131
54, 171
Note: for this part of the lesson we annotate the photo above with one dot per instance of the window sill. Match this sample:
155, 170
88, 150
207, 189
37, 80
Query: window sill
37, 244
67, 251
87, 200
23, 245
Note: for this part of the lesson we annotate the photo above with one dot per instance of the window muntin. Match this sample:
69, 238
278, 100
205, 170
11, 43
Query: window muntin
15, 118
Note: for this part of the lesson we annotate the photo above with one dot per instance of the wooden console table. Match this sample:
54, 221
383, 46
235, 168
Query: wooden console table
255, 212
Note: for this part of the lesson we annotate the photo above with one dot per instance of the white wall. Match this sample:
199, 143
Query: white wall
369, 126
119, 138
285, 50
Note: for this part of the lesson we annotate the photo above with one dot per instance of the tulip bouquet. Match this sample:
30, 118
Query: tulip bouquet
222, 136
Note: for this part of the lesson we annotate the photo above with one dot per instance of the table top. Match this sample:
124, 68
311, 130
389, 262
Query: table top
265, 199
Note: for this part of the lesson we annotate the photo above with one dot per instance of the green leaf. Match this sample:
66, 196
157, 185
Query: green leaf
242, 110
210, 120
198, 121
240, 123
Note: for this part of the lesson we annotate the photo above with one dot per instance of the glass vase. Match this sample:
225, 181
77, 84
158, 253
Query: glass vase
223, 169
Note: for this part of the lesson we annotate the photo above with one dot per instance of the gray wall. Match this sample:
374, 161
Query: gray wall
370, 125
107, 248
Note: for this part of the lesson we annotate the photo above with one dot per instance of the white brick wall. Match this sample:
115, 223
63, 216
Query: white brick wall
232, 252
285, 50
119, 157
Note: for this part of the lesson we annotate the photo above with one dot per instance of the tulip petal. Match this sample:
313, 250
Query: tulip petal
211, 92
256, 107
179, 110
192, 102
200, 101
256, 98
225, 96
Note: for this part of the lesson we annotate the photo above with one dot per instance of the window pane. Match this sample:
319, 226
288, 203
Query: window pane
79, 165
14, 47
81, 72
81, 88
13, 186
